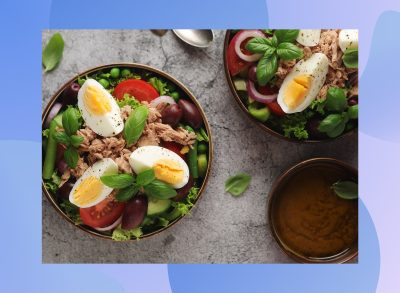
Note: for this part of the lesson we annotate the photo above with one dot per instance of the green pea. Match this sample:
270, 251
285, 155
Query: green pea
104, 83
202, 148
175, 96
125, 72
115, 72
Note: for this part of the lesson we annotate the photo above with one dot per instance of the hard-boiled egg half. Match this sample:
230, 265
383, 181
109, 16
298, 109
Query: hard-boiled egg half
302, 85
308, 38
88, 189
167, 165
348, 39
99, 109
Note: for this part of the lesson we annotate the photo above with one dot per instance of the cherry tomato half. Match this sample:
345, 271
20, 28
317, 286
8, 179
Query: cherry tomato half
276, 109
235, 64
141, 90
175, 147
103, 214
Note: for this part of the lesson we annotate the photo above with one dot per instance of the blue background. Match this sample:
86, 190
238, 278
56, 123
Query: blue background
20, 144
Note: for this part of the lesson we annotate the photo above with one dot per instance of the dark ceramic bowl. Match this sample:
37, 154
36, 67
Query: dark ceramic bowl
138, 68
262, 125
346, 171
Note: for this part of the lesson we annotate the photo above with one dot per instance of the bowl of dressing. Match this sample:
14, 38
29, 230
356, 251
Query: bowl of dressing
309, 221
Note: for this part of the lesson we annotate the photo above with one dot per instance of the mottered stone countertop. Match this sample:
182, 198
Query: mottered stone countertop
221, 228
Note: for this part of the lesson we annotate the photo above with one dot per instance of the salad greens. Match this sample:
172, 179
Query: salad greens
53, 183
71, 211
120, 234
53, 52
128, 100
237, 184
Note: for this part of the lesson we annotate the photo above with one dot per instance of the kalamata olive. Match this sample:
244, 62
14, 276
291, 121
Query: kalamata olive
62, 166
191, 114
252, 74
172, 115
65, 189
70, 94
312, 128
183, 192
353, 101
134, 212
60, 152
353, 78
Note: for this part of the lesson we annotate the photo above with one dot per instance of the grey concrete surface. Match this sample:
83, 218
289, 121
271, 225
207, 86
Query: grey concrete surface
221, 228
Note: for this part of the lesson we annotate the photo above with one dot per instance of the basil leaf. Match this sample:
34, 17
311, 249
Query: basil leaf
70, 121
266, 69
286, 35
118, 180
350, 58
53, 52
336, 100
127, 193
145, 177
134, 125
353, 112
330, 122
71, 157
346, 189
261, 45
338, 130
289, 51
76, 140
159, 189
61, 137
237, 184
268, 31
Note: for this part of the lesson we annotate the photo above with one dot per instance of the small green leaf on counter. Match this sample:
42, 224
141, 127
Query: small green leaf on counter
134, 125
237, 184
118, 180
346, 189
53, 52
350, 58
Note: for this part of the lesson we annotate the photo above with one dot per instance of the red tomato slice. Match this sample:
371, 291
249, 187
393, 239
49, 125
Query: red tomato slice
141, 90
103, 214
276, 109
175, 147
235, 64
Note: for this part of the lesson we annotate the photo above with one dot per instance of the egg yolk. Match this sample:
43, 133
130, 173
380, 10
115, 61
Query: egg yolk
96, 101
296, 91
168, 171
88, 191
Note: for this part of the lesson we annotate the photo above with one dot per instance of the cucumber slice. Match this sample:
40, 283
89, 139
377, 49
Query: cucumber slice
240, 85
157, 206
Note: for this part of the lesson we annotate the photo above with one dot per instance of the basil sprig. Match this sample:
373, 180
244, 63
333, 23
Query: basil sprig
53, 52
346, 189
237, 184
279, 46
135, 124
129, 186
71, 122
336, 102
350, 58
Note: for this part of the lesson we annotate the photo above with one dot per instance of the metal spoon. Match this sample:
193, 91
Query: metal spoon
197, 38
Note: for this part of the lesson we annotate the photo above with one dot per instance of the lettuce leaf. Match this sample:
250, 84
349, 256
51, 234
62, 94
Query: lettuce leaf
52, 184
120, 234
72, 211
128, 100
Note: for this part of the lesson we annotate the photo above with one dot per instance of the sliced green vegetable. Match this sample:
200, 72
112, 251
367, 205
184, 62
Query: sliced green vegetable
157, 206
202, 165
240, 85
261, 114
237, 184
134, 125
53, 52
51, 151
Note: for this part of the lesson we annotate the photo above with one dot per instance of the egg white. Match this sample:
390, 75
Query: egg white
316, 67
106, 125
308, 38
103, 167
145, 158
348, 39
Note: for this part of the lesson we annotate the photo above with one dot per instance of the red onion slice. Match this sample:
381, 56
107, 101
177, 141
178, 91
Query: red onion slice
52, 113
257, 96
162, 99
242, 36
112, 226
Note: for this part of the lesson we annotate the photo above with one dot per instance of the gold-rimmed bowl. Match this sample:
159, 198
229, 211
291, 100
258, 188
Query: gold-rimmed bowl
137, 68
312, 216
261, 125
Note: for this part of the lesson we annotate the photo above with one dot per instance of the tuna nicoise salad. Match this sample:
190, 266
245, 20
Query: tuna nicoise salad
302, 84
125, 152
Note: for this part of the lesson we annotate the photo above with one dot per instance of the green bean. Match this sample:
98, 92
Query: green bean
192, 157
51, 151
